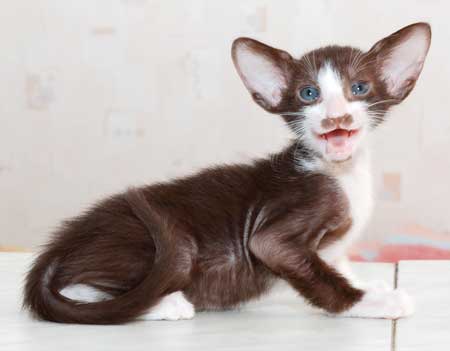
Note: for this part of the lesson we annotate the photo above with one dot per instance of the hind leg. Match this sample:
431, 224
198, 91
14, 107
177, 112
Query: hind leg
172, 307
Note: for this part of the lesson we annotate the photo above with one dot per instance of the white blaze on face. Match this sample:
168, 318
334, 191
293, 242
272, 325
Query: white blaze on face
331, 90
335, 145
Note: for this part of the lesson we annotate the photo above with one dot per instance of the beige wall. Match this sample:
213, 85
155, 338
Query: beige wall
98, 95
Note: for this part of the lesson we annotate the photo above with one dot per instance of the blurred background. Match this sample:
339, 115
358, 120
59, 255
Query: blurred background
98, 95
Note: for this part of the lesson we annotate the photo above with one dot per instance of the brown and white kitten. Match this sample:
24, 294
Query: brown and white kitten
217, 239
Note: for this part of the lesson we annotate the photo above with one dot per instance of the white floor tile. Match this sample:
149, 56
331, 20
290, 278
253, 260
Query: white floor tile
429, 284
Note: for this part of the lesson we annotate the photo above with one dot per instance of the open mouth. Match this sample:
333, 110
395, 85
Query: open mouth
339, 142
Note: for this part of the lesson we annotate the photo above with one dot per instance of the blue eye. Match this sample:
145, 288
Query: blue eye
360, 88
309, 94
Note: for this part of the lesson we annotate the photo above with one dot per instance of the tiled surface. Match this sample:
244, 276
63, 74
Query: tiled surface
429, 283
280, 321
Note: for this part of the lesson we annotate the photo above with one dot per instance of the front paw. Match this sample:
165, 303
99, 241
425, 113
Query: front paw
391, 304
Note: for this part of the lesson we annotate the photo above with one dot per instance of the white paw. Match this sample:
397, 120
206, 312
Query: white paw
172, 307
391, 304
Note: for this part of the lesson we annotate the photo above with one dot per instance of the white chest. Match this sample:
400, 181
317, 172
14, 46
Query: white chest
356, 183
357, 186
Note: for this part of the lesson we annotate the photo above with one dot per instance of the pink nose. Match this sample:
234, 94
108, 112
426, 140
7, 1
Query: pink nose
343, 121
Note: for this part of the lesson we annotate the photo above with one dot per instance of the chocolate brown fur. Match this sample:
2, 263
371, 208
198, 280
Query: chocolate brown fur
189, 235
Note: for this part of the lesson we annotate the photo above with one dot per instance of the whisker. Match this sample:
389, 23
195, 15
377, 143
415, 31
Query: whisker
314, 62
379, 112
382, 102
292, 114
354, 59
359, 68
311, 70
297, 127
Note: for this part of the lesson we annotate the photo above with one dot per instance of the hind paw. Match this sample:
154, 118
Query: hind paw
172, 307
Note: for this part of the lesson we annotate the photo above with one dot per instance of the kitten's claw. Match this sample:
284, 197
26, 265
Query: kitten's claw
390, 304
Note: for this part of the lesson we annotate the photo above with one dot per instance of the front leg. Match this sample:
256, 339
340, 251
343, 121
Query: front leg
321, 284
342, 265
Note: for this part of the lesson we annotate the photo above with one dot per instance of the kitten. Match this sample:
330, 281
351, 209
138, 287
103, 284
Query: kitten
217, 239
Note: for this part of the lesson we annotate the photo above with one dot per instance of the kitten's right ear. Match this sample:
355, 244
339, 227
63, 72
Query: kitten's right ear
265, 71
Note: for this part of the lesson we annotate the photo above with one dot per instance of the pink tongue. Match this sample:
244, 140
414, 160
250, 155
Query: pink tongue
338, 141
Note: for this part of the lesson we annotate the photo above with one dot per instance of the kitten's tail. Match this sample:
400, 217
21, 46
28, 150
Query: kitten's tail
45, 302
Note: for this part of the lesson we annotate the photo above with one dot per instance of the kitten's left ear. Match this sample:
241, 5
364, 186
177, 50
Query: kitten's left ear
265, 71
400, 58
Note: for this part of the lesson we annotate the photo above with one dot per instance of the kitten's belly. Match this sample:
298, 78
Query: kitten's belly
224, 283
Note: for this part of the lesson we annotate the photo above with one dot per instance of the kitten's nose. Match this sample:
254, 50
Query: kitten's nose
343, 121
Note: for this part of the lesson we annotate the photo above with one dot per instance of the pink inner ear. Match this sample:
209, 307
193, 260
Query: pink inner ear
405, 62
260, 75
397, 82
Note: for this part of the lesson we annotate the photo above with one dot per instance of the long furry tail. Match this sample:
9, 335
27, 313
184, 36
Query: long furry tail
45, 302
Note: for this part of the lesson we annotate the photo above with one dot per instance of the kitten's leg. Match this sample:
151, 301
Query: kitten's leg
342, 265
376, 291
172, 307
322, 285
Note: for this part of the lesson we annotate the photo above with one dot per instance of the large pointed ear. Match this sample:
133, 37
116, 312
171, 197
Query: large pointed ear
265, 71
400, 58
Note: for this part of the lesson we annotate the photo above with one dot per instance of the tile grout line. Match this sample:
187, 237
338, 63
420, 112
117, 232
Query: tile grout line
394, 322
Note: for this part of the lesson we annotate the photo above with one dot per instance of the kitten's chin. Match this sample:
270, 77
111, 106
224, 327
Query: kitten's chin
339, 157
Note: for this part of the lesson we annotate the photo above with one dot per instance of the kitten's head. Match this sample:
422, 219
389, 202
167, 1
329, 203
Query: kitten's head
332, 97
